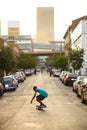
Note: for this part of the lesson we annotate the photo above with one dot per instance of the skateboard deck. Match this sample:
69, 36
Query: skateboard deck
39, 108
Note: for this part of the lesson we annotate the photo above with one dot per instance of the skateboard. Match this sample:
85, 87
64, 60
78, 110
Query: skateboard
40, 108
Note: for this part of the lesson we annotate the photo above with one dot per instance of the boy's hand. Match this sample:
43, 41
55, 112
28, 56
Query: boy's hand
31, 101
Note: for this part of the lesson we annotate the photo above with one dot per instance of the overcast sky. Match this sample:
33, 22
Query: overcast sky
24, 11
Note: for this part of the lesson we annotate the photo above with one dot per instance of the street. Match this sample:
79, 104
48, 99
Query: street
64, 109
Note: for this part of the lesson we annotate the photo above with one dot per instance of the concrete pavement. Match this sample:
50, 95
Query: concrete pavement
64, 110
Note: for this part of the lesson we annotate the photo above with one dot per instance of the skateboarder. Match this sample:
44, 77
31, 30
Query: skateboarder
42, 95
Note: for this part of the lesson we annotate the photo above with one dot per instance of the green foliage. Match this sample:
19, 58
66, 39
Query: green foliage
25, 61
7, 59
57, 61
49, 61
76, 58
60, 61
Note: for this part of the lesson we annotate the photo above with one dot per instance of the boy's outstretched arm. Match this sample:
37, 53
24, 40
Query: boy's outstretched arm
33, 97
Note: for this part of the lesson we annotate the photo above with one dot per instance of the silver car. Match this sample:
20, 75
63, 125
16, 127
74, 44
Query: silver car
77, 82
82, 90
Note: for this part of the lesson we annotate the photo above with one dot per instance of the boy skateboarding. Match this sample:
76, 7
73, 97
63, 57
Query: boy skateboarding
42, 95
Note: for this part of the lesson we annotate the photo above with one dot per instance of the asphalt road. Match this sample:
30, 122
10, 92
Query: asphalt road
64, 109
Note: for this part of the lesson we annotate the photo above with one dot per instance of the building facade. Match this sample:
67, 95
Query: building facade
13, 28
24, 42
79, 40
45, 24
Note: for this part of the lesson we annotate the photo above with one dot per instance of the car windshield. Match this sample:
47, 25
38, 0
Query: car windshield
73, 75
27, 70
85, 80
18, 74
82, 77
7, 80
57, 71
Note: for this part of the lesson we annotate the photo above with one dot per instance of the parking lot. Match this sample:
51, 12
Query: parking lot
64, 109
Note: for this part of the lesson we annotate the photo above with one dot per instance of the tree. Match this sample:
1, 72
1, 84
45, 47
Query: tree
57, 61
25, 61
49, 61
76, 58
60, 61
7, 59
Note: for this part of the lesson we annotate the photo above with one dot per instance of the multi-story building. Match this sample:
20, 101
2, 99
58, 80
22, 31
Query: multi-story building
45, 24
24, 42
76, 37
13, 28
79, 39
68, 40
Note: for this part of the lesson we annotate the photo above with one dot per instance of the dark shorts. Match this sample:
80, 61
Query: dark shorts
40, 97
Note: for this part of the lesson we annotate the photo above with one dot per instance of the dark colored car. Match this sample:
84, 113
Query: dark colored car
70, 78
82, 90
10, 83
77, 82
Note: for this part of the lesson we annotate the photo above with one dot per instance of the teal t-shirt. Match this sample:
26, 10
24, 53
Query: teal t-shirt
42, 92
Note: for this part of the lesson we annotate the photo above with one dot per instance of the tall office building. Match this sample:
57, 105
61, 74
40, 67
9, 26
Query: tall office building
45, 24
13, 28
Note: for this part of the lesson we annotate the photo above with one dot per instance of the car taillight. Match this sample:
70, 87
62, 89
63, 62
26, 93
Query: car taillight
68, 78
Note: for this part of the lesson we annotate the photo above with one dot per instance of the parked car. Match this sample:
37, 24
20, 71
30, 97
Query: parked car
70, 78
64, 75
38, 69
78, 80
61, 75
27, 72
19, 76
56, 73
10, 82
82, 90
1, 89
23, 74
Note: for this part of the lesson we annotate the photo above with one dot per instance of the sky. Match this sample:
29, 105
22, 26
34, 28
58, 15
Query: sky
24, 11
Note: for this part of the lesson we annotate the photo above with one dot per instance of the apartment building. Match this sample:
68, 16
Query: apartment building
76, 37
79, 40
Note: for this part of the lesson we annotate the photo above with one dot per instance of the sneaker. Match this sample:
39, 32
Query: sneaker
44, 106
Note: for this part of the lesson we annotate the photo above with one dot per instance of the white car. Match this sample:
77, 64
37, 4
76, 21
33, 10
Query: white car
78, 80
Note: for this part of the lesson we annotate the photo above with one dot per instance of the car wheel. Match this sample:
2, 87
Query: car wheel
73, 89
1, 92
78, 93
82, 98
65, 83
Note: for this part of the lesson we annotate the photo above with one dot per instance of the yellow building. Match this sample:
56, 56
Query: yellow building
45, 24
13, 28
